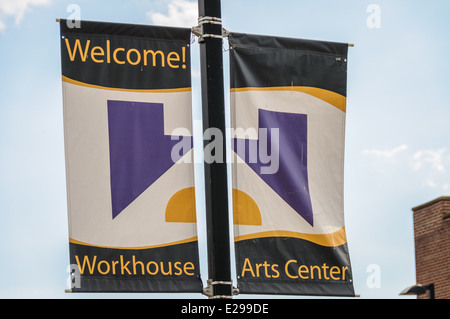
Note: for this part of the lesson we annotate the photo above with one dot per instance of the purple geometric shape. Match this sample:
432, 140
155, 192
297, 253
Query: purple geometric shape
290, 182
140, 153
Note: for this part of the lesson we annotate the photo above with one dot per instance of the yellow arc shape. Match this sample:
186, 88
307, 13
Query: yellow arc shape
71, 81
335, 239
181, 207
188, 240
337, 100
245, 210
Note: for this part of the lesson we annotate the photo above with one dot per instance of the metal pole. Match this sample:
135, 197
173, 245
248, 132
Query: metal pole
216, 192
430, 288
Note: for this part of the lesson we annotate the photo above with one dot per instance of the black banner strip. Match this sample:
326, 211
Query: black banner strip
266, 61
171, 268
117, 55
293, 266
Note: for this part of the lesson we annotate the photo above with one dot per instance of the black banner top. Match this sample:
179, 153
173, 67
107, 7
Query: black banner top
288, 62
126, 56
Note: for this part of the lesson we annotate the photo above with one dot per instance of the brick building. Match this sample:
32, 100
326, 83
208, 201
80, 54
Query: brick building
432, 246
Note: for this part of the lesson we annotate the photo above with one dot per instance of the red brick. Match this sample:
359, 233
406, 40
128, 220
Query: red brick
432, 245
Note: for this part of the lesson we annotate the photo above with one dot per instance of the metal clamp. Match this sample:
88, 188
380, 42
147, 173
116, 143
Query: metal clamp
210, 20
199, 30
209, 290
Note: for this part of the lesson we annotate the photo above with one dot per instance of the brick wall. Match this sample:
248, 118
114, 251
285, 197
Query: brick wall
432, 245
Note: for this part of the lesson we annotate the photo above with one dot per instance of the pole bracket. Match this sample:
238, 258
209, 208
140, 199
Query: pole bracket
200, 33
209, 290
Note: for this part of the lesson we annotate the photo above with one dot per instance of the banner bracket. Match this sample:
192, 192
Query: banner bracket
199, 30
209, 290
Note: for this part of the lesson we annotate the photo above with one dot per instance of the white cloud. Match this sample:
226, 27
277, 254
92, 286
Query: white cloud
17, 9
386, 154
181, 13
428, 167
432, 164
436, 158
431, 183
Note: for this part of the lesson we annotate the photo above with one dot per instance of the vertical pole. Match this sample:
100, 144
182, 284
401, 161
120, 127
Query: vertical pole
430, 288
216, 192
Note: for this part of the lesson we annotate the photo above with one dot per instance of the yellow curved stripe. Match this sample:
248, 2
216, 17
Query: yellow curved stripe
181, 207
330, 97
335, 239
245, 210
188, 240
69, 80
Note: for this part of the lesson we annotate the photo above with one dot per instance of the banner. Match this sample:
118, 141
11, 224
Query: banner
288, 106
129, 158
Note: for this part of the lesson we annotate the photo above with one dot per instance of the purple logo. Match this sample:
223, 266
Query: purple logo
290, 180
140, 153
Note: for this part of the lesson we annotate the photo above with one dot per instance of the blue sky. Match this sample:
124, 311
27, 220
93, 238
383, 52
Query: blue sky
397, 152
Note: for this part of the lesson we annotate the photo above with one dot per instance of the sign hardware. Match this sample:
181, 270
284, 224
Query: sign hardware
199, 30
